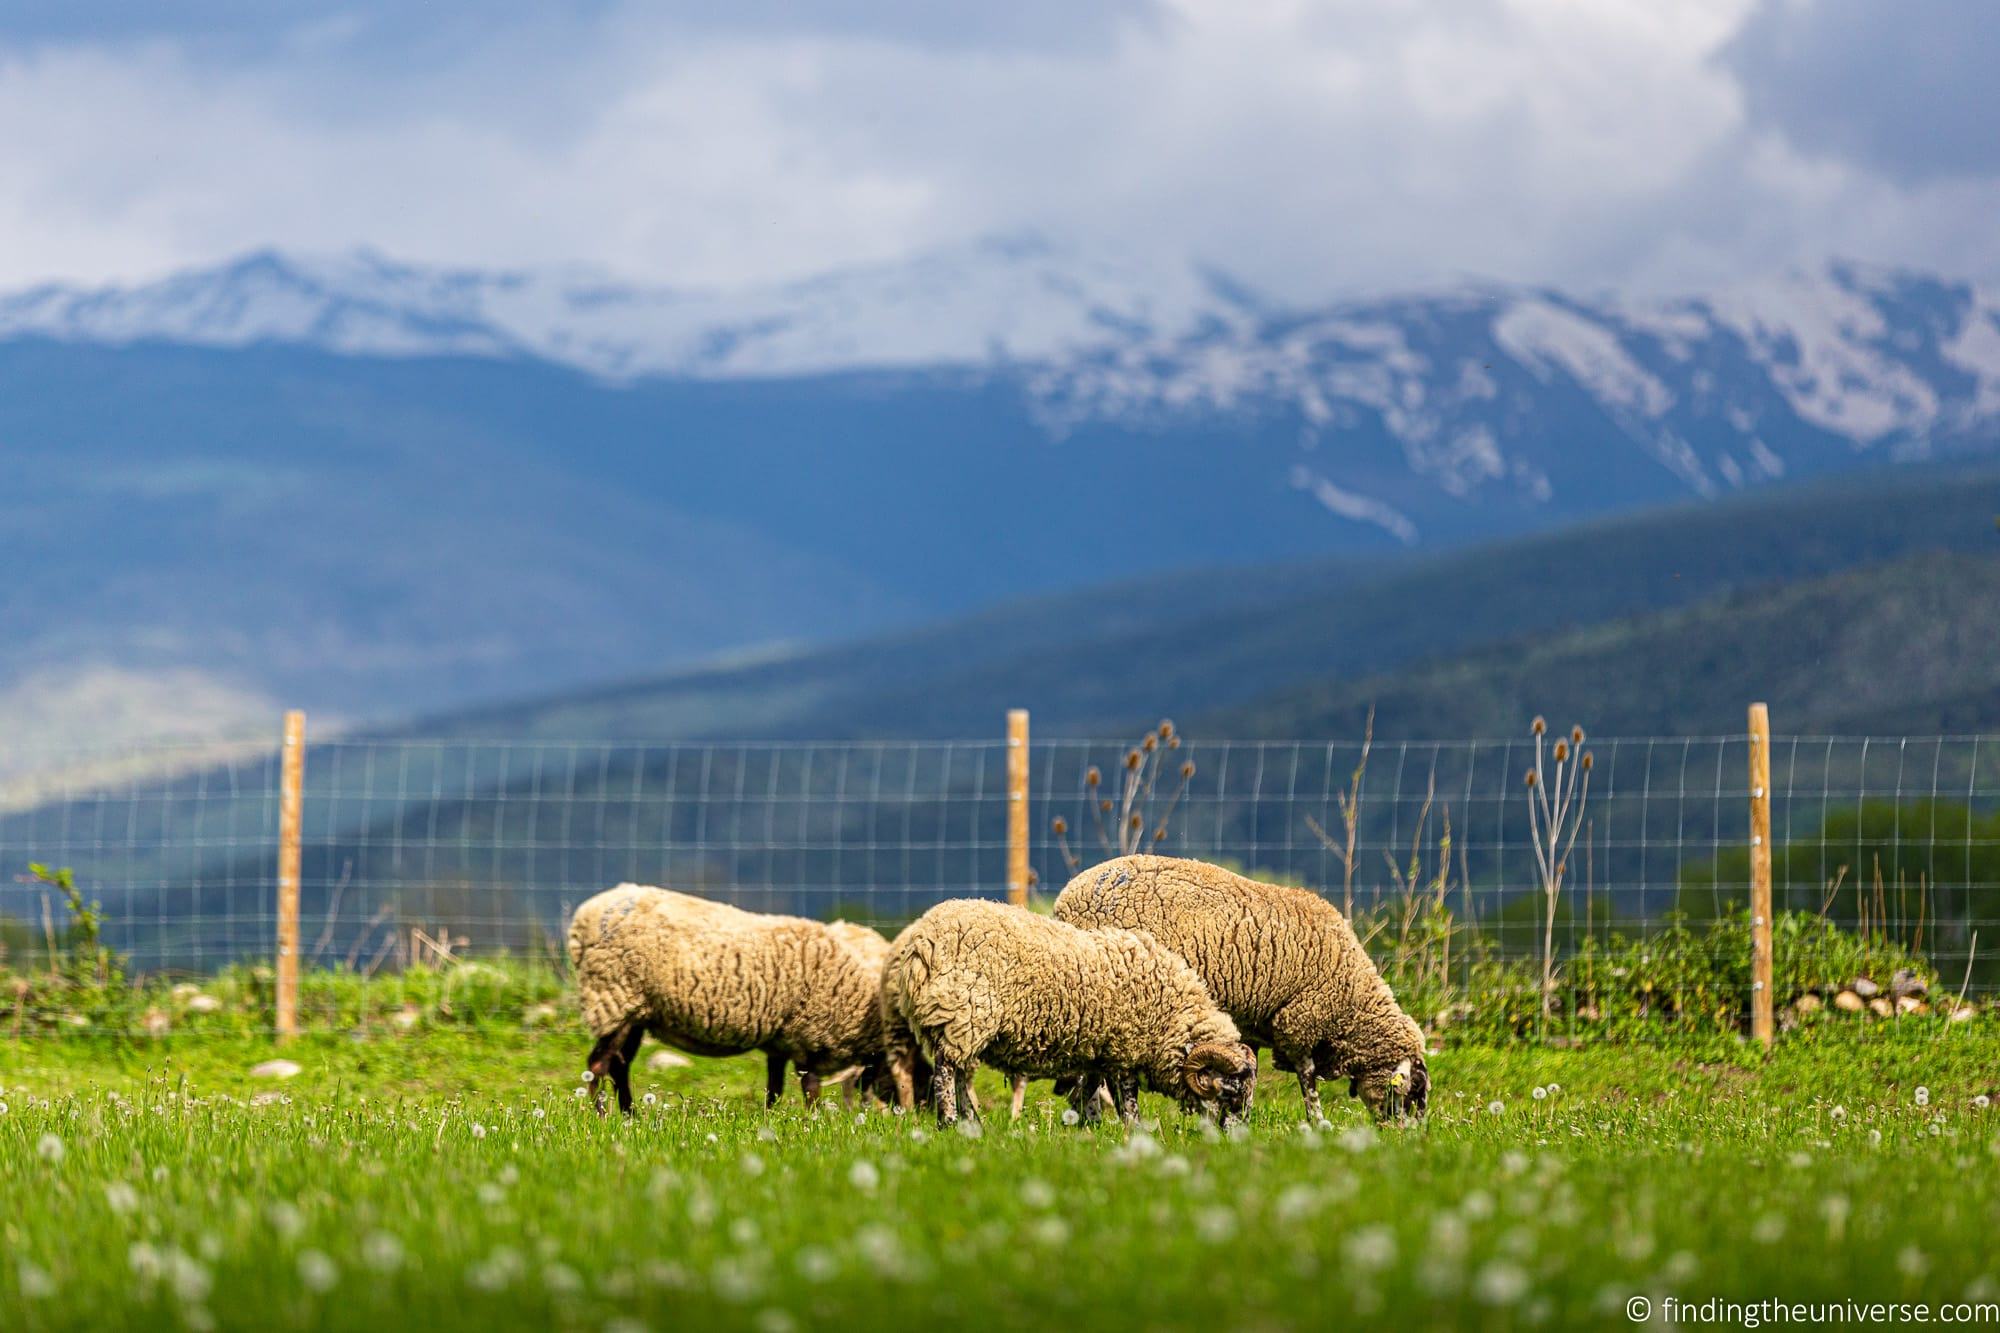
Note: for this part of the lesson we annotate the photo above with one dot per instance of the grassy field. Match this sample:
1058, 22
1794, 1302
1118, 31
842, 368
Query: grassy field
456, 1180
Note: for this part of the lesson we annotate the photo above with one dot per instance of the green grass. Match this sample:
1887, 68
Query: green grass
187, 1193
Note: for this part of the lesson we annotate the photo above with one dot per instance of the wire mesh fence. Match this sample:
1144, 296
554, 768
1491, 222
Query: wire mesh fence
474, 846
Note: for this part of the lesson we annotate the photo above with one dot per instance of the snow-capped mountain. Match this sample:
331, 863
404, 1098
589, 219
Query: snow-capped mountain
373, 488
1484, 391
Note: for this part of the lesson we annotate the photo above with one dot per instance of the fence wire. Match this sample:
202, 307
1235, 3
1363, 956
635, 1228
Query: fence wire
487, 845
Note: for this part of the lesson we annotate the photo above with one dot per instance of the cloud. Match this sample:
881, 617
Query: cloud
1905, 90
1307, 147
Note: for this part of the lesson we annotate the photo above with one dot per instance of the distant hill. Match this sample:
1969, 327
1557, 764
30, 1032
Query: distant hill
377, 490
1294, 650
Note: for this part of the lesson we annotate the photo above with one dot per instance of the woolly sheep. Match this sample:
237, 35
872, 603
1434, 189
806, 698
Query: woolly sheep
973, 980
1283, 962
712, 979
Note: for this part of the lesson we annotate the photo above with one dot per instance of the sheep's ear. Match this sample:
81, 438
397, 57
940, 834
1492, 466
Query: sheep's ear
1354, 1086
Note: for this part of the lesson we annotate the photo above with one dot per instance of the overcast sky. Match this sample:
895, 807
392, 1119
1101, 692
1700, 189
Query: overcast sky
1307, 147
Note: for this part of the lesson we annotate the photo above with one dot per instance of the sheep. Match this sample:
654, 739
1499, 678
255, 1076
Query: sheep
974, 980
1283, 962
712, 979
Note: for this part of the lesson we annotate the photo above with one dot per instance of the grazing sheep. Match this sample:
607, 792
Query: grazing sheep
972, 980
1283, 962
712, 979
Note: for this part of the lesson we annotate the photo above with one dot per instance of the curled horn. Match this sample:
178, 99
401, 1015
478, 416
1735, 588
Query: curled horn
1212, 1061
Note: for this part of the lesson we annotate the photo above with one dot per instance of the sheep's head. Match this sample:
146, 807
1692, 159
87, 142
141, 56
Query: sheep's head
1391, 1092
1223, 1073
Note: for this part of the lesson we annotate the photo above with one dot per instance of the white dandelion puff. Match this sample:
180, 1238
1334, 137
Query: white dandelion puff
1495, 1108
1500, 1283
317, 1272
478, 1130
36, 1284
1038, 1193
589, 1077
50, 1149
1049, 1232
1554, 1088
752, 1164
382, 1252
540, 1114
582, 1092
1838, 1113
1371, 1248
1070, 1116
1982, 1101
1923, 1095
121, 1197
651, 1099
1540, 1093
969, 1129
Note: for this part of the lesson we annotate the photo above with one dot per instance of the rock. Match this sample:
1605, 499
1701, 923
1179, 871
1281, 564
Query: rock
275, 1069
1907, 983
666, 1059
1865, 988
200, 1002
1965, 1013
1880, 1007
1848, 1002
1810, 1003
1910, 1004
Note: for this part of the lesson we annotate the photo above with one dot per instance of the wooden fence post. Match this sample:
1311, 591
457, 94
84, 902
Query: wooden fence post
1017, 807
291, 794
1761, 1025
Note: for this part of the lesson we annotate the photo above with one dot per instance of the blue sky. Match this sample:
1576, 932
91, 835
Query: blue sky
1309, 147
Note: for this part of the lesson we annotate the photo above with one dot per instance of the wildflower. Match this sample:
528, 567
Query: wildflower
1923, 1095
752, 1164
1038, 1193
766, 1134
1982, 1101
1371, 1248
1554, 1088
121, 1197
1215, 1224
1070, 1116
3, 1108
316, 1271
1495, 1108
36, 1284
1540, 1093
382, 1252
582, 1092
1874, 1138
651, 1099
478, 1130
816, 1263
50, 1149
1838, 1113
969, 1129
917, 1135
540, 1113
589, 1077
1500, 1283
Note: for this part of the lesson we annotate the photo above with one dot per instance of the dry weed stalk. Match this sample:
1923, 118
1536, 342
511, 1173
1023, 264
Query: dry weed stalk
1555, 816
1131, 826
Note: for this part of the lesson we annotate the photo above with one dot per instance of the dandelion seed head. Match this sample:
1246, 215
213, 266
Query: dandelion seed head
864, 1176
1923, 1095
1540, 1093
317, 1272
1495, 1108
1070, 1116
50, 1149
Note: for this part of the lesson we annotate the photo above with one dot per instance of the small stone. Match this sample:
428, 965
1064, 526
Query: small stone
1965, 1013
1911, 1004
1810, 1003
1848, 1002
1865, 988
1906, 982
275, 1069
665, 1059
1880, 1007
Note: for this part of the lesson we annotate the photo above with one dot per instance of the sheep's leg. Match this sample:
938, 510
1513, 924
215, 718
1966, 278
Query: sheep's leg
1125, 1091
1020, 1096
1255, 1052
809, 1087
944, 1092
774, 1078
963, 1081
901, 1069
1083, 1098
1309, 1089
